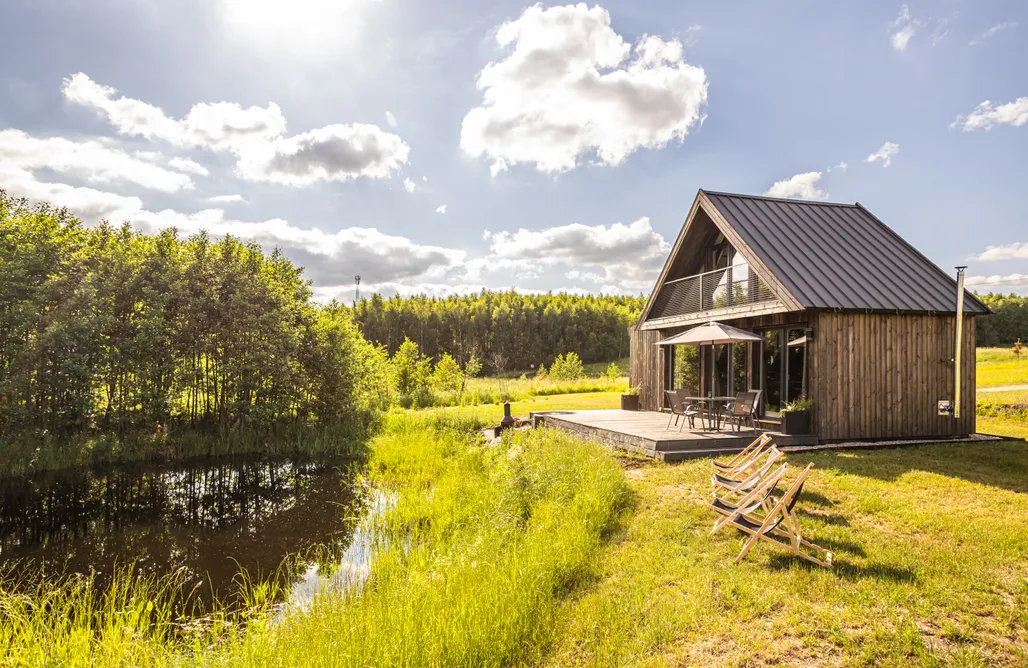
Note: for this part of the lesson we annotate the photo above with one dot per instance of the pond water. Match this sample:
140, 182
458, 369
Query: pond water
205, 520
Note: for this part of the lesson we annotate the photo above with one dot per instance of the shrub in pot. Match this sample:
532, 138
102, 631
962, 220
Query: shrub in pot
630, 399
796, 417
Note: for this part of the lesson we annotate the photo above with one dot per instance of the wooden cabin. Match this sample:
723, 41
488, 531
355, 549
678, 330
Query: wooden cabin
852, 317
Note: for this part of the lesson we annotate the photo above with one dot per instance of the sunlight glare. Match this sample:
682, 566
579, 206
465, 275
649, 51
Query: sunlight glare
299, 24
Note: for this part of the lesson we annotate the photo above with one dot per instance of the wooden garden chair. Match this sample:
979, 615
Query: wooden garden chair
780, 526
747, 477
741, 459
758, 498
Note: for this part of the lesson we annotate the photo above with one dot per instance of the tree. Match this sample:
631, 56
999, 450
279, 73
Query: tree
413, 372
447, 376
613, 371
567, 367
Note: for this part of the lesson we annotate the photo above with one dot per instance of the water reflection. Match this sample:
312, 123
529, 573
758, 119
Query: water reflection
205, 520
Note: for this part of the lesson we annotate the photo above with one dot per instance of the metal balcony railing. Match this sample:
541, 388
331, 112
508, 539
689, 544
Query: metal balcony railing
721, 288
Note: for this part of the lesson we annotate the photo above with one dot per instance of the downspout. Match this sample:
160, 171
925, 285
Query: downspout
958, 355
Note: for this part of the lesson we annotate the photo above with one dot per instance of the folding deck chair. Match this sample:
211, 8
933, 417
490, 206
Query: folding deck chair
749, 452
780, 522
758, 498
747, 476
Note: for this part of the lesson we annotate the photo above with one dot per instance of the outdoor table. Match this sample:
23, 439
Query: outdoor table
710, 403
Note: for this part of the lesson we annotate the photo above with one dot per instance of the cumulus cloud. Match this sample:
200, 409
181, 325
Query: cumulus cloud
884, 154
1009, 282
800, 186
228, 199
1015, 251
218, 126
441, 209
991, 32
22, 155
985, 116
331, 153
188, 166
629, 255
571, 86
409, 185
256, 135
904, 26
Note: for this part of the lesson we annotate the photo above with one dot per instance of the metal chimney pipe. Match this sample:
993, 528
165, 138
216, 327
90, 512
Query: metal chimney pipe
957, 357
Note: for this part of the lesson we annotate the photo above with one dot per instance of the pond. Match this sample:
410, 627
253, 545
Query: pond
204, 520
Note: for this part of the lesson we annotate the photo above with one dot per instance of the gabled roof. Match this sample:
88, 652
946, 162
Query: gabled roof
831, 256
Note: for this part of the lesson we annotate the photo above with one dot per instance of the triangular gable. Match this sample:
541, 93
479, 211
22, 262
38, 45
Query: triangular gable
740, 246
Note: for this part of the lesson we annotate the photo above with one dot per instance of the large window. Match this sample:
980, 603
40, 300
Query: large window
685, 369
784, 367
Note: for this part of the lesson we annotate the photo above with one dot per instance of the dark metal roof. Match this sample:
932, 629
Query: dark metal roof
839, 256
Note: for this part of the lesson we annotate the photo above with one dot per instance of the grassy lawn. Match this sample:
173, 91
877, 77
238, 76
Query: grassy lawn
930, 569
999, 366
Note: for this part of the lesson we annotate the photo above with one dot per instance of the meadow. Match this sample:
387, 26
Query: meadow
1005, 412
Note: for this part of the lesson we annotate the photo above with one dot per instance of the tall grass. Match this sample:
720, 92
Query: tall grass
469, 566
478, 391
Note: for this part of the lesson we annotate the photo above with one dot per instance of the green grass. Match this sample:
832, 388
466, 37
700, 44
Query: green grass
592, 369
999, 366
491, 390
929, 569
471, 564
1003, 426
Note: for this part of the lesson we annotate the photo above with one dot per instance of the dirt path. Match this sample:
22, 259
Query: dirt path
1004, 388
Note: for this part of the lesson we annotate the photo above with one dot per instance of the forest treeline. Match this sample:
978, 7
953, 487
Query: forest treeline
1008, 322
106, 330
505, 330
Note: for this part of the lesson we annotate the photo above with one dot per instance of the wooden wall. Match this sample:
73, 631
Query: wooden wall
881, 376
646, 367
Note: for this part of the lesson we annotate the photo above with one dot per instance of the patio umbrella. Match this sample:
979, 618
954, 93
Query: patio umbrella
713, 333
710, 334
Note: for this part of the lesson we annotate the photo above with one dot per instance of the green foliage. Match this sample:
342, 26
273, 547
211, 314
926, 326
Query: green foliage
1018, 349
797, 405
541, 372
447, 376
1008, 322
413, 373
566, 367
472, 367
613, 371
106, 332
503, 328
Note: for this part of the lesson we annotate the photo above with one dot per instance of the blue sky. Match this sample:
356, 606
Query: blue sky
444, 146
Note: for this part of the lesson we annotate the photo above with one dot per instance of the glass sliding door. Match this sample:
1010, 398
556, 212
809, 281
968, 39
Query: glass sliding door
774, 370
796, 365
686, 369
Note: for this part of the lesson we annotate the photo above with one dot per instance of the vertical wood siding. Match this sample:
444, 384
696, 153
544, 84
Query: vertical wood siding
879, 376
646, 367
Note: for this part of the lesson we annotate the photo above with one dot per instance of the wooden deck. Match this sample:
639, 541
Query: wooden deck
645, 433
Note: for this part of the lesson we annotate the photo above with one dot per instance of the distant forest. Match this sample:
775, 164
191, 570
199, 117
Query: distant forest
1008, 323
505, 330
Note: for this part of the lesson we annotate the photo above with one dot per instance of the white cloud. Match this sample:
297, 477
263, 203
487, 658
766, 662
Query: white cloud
842, 167
905, 26
409, 185
441, 209
1015, 251
992, 32
227, 198
629, 255
1010, 282
985, 116
331, 153
942, 28
188, 166
22, 155
425, 179
800, 186
571, 86
297, 27
255, 135
884, 154
218, 126
391, 119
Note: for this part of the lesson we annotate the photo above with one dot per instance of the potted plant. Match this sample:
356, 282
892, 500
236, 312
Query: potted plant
630, 399
796, 417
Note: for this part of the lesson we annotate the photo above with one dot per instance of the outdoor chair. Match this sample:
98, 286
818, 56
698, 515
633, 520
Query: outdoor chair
692, 410
759, 498
743, 408
680, 410
779, 526
750, 452
748, 477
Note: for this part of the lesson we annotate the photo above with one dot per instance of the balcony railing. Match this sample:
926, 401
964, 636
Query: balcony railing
721, 288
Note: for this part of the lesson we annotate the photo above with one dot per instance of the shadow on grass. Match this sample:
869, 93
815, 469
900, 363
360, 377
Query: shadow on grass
1001, 464
846, 569
824, 518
